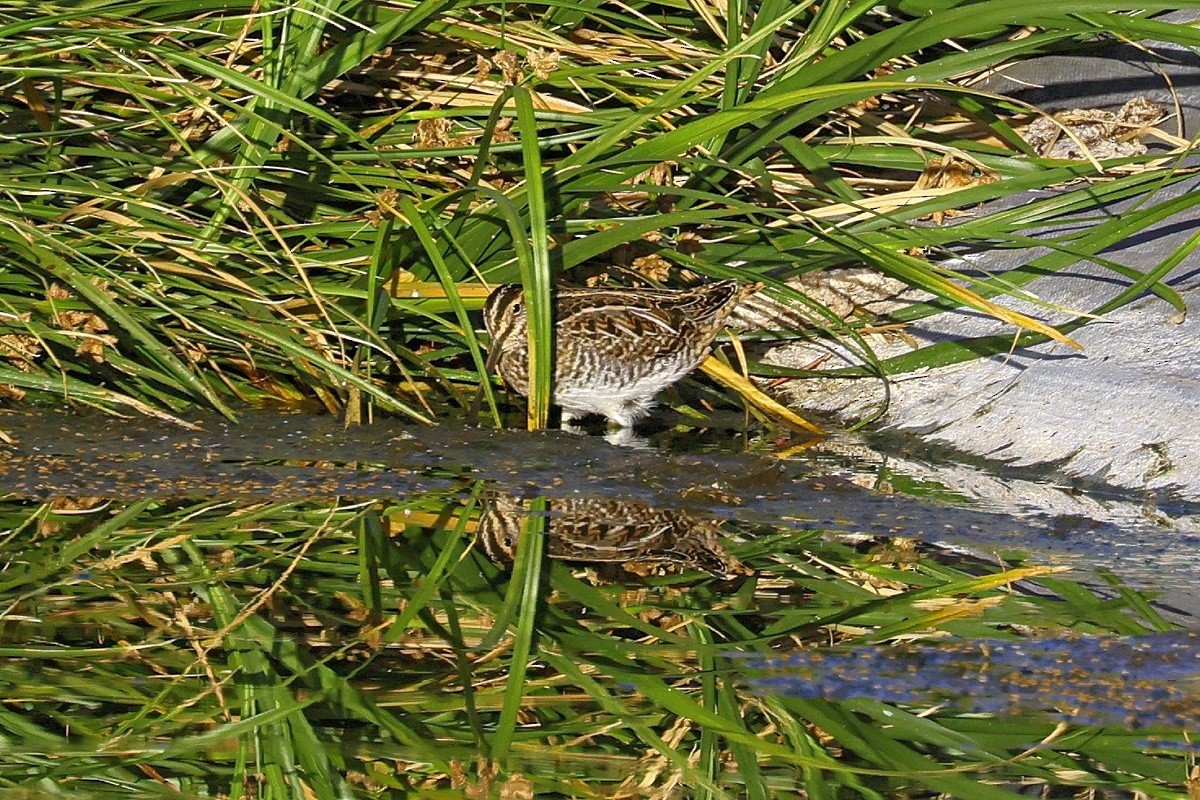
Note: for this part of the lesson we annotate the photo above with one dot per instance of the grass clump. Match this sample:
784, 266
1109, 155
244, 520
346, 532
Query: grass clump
295, 204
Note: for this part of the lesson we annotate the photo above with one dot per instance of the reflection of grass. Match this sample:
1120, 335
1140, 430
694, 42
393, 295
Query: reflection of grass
299, 650
297, 204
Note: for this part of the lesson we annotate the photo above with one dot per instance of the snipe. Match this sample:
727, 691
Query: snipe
615, 349
636, 535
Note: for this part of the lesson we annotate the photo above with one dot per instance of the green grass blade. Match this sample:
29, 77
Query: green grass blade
525, 594
539, 301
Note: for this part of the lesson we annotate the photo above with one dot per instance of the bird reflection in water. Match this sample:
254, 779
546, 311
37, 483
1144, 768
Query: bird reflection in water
636, 535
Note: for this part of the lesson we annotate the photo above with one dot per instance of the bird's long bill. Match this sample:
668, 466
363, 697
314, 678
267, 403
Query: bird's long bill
488, 368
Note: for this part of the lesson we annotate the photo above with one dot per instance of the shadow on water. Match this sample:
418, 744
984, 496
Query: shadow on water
374, 596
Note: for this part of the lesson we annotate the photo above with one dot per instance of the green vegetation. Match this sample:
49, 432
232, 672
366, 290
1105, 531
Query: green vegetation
218, 202
370, 650
211, 203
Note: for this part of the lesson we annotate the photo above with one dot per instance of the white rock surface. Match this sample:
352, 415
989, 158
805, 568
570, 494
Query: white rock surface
1126, 410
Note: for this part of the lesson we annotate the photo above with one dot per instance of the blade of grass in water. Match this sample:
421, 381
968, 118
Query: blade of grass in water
525, 595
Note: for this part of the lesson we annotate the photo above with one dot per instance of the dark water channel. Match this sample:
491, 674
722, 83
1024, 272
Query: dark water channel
844, 487
738, 486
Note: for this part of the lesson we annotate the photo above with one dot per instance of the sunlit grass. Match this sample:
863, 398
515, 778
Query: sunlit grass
233, 205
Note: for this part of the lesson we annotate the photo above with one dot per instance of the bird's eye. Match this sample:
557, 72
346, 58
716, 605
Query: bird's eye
516, 307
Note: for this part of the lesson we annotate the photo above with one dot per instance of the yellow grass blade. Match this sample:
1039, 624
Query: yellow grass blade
1007, 314
756, 397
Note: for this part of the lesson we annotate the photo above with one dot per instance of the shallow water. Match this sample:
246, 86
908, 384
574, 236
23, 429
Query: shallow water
757, 488
846, 485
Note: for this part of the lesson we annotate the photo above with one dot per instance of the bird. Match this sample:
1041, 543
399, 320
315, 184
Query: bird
632, 533
615, 349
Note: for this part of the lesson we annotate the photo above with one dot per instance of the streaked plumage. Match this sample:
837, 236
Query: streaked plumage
615, 349
605, 531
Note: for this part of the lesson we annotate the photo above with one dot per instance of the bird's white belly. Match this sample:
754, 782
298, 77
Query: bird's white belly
619, 393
